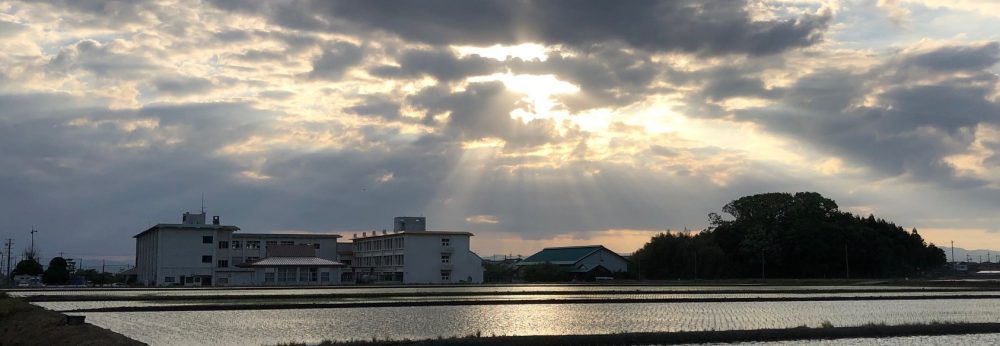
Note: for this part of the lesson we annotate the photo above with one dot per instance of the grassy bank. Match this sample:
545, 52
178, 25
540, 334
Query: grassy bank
729, 336
25, 324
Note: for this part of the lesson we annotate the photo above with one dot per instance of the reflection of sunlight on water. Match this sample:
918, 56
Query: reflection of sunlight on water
314, 325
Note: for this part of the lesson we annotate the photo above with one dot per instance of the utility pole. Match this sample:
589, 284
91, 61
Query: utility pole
953, 251
33, 231
9, 279
102, 266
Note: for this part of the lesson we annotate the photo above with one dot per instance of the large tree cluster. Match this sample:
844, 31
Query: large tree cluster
781, 235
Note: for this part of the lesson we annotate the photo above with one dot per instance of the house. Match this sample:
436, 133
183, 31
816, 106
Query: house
195, 253
583, 262
411, 254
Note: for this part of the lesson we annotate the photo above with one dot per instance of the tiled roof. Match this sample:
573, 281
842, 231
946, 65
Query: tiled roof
561, 255
295, 261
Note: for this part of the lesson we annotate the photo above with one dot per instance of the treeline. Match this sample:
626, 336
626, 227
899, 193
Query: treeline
780, 235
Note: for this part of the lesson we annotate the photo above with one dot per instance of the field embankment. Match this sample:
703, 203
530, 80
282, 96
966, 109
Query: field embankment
698, 337
25, 324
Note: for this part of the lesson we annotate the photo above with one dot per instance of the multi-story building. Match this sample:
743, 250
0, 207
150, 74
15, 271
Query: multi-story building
411, 254
195, 253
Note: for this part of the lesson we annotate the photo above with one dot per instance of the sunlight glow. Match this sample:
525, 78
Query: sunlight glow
539, 91
524, 51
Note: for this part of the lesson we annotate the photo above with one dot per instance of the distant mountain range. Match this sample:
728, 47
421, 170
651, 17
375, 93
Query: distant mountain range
963, 255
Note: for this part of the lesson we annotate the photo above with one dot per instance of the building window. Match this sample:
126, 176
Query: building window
271, 242
236, 244
237, 260
313, 272
168, 279
251, 259
316, 246
206, 259
253, 244
286, 274
223, 244
445, 258
223, 264
303, 275
445, 275
206, 239
287, 242
268, 277
189, 280
445, 242
346, 262
324, 276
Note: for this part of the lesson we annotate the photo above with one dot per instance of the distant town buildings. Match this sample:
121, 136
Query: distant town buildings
196, 253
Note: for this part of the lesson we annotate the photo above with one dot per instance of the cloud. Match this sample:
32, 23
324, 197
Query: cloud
377, 105
105, 60
607, 75
442, 64
898, 14
180, 86
482, 111
891, 119
711, 27
336, 58
482, 219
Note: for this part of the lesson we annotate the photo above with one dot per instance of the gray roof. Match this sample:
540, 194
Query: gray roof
285, 235
414, 233
187, 226
295, 261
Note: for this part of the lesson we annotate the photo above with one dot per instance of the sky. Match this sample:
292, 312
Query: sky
528, 123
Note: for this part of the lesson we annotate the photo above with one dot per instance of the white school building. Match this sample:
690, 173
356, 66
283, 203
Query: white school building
411, 254
197, 253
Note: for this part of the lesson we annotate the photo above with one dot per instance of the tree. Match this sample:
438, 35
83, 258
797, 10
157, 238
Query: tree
801, 235
57, 273
28, 267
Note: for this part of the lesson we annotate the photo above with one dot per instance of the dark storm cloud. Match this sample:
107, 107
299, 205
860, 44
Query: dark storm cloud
958, 58
728, 83
378, 106
913, 125
177, 85
337, 57
103, 13
77, 159
442, 64
481, 111
712, 27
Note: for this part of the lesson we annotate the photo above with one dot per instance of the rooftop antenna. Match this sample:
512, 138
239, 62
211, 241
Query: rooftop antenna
202, 202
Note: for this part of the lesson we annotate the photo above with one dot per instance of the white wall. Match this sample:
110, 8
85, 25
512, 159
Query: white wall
606, 259
424, 264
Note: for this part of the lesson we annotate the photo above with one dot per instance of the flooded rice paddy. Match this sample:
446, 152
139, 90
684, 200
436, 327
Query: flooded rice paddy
232, 327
